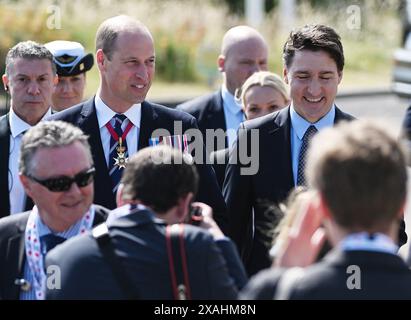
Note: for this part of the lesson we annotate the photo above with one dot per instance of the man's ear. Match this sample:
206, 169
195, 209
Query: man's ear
322, 205
25, 181
221, 63
285, 75
184, 205
340, 76
5, 82
119, 196
100, 59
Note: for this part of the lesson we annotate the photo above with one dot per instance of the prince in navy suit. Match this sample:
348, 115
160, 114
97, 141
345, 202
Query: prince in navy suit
118, 119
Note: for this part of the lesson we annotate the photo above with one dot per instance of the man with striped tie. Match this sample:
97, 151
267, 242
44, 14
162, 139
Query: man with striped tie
118, 119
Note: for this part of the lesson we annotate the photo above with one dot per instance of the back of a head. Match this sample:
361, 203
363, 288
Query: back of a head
109, 29
158, 177
360, 170
314, 38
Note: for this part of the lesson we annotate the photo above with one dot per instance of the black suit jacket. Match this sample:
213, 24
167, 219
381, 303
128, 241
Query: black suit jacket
383, 276
153, 116
209, 112
270, 185
12, 250
214, 267
4, 168
219, 160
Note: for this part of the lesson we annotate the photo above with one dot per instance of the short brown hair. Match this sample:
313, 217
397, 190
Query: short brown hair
360, 170
314, 38
159, 176
29, 50
109, 30
49, 134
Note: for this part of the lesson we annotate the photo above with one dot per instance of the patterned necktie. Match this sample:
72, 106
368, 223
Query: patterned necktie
303, 154
116, 171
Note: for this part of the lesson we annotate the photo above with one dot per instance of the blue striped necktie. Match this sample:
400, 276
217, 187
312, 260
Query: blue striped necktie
302, 157
114, 170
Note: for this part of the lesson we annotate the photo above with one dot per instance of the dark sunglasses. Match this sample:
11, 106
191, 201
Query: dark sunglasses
64, 183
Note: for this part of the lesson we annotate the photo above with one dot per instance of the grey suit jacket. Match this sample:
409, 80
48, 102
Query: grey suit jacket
12, 250
215, 271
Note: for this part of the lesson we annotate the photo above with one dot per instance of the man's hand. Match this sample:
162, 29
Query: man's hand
208, 222
305, 238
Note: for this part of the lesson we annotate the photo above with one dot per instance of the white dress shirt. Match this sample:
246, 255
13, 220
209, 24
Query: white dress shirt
233, 114
298, 128
105, 114
16, 190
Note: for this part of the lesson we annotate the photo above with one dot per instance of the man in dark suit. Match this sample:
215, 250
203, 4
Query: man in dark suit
313, 66
358, 171
118, 119
29, 80
243, 52
56, 170
138, 231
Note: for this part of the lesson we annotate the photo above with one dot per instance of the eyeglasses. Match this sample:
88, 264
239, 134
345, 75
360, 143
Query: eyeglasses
64, 183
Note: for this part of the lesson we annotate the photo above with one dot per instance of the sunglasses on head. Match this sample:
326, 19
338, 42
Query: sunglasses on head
64, 183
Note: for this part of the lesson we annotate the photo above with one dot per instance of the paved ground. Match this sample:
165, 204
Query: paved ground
391, 110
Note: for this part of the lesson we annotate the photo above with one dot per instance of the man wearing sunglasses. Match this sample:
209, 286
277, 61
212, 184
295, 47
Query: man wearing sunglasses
57, 172
72, 64
28, 81
120, 121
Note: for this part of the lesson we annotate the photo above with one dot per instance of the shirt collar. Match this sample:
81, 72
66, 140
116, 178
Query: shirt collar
105, 114
18, 125
229, 101
300, 125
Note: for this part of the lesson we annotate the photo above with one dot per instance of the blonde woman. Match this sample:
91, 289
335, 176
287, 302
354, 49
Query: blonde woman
262, 93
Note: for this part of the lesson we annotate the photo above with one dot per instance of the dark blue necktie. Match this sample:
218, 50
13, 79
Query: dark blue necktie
114, 170
311, 131
49, 241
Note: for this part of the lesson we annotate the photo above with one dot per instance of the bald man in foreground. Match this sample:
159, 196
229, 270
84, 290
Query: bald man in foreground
243, 52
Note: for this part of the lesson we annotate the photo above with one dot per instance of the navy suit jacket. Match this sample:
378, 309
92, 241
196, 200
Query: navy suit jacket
12, 250
153, 116
270, 185
214, 268
4, 168
383, 276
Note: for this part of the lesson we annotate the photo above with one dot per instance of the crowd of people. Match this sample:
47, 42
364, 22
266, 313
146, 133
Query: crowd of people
129, 199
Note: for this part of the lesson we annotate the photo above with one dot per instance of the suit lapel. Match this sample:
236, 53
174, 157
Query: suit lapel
15, 258
215, 115
89, 124
147, 124
4, 165
281, 145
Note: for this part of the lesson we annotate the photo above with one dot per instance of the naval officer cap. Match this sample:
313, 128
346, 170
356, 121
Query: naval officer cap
70, 57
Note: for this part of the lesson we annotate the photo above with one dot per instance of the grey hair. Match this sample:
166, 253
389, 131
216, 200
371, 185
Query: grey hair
29, 50
49, 134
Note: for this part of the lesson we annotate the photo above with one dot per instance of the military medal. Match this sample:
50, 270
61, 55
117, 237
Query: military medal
121, 160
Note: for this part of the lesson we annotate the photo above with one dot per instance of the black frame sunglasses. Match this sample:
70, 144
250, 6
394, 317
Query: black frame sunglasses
64, 183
